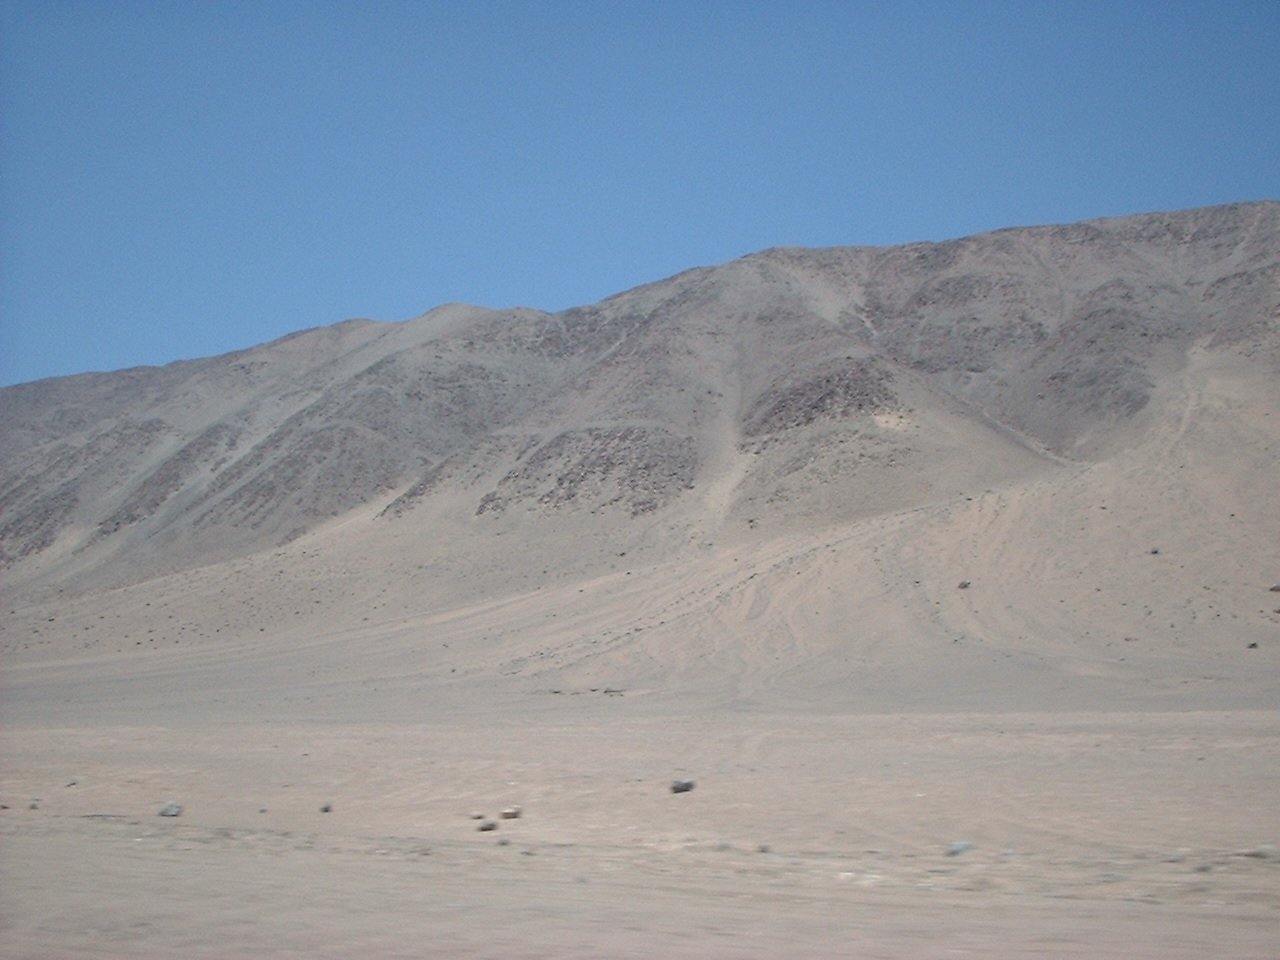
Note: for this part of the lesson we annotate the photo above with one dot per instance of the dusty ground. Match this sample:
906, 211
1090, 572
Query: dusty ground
1092, 718
1118, 835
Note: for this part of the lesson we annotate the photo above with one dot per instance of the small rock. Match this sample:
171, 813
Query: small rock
326, 808
504, 842
171, 809
1264, 852
71, 783
963, 585
681, 786
511, 813
34, 806
958, 847
1203, 867
764, 848
1252, 646
487, 825
1276, 588
476, 815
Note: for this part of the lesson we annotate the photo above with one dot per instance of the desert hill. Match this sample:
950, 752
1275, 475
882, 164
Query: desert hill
1048, 407
946, 571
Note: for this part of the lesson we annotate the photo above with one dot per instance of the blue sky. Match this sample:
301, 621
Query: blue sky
181, 179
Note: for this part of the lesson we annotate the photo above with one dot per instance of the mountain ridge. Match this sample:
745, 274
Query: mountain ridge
790, 396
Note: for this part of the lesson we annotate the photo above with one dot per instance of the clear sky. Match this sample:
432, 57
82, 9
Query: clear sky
185, 178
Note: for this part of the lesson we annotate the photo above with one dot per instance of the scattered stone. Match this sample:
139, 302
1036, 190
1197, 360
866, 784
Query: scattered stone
1154, 551
326, 808
511, 813
487, 825
681, 786
764, 848
34, 806
1203, 867
1265, 852
1276, 588
476, 815
1252, 646
171, 809
71, 783
958, 847
963, 585
1111, 878
504, 842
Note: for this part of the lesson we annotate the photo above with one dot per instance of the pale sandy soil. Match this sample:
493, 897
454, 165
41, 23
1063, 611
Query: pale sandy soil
1093, 834
1089, 717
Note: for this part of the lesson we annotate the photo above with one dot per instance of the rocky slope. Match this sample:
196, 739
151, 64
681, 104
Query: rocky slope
472, 454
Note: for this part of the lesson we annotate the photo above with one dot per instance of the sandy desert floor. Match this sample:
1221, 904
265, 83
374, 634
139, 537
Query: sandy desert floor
1092, 834
974, 791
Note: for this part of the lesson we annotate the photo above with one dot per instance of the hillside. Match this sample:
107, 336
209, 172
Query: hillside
992, 395
949, 573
